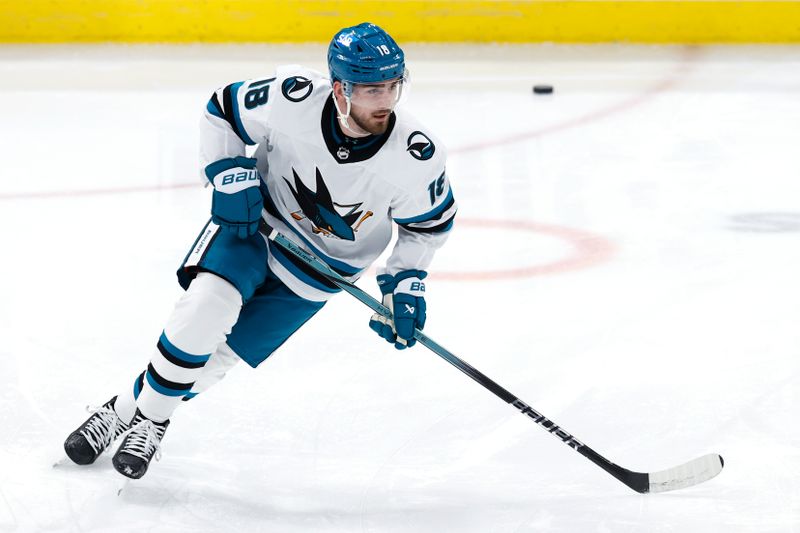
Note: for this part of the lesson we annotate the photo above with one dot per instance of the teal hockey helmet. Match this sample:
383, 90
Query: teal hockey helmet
364, 54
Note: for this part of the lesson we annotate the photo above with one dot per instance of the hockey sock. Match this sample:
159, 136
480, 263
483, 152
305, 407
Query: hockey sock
125, 405
202, 319
217, 366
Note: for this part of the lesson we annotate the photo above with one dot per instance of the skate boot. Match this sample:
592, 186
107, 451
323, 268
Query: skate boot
139, 446
85, 444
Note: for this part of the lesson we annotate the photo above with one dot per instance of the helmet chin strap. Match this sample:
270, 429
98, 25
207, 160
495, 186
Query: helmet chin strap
344, 118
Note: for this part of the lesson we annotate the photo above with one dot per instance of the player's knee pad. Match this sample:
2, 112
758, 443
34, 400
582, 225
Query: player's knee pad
204, 315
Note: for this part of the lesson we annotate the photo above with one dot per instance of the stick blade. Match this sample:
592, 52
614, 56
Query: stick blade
686, 475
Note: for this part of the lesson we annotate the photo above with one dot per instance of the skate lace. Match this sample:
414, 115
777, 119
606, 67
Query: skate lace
102, 428
144, 440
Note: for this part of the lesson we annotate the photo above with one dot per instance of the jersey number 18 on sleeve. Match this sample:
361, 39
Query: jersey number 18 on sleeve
436, 188
258, 93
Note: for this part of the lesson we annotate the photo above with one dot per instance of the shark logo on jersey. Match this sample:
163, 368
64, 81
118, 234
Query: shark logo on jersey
320, 209
296, 88
420, 146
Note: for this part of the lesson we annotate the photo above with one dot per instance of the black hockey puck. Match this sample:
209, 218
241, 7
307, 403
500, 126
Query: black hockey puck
543, 89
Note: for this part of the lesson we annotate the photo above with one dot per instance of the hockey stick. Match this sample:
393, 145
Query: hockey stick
682, 476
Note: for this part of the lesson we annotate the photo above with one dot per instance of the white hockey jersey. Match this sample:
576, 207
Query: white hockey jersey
337, 196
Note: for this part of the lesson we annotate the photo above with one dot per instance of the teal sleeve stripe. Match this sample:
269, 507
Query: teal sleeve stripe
212, 108
439, 228
433, 213
235, 106
222, 165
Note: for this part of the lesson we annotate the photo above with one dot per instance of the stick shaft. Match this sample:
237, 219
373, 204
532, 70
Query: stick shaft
636, 481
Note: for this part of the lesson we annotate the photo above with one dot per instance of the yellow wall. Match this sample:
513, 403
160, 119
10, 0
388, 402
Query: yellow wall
645, 21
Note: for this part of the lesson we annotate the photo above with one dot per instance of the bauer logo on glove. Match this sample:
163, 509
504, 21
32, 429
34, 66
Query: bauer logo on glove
236, 203
248, 175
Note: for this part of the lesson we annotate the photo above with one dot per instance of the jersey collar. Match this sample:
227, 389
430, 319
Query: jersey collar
346, 149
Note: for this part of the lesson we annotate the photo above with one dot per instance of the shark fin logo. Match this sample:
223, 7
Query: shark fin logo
323, 213
420, 146
296, 88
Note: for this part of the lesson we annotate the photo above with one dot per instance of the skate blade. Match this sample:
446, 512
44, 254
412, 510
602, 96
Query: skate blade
62, 462
122, 486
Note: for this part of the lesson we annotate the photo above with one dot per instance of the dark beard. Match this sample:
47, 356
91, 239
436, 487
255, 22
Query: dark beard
374, 130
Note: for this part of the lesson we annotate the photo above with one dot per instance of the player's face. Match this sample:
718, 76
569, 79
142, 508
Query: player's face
371, 105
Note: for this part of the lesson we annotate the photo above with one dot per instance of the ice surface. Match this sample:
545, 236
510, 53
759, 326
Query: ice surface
626, 261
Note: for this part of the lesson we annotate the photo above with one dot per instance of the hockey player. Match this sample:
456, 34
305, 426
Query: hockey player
336, 167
